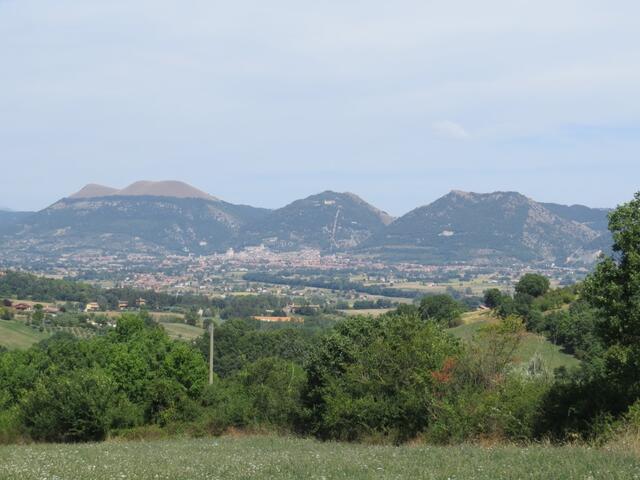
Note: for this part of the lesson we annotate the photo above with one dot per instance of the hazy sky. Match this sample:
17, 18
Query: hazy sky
264, 102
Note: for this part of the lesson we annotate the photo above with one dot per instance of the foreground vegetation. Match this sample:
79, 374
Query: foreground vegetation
289, 458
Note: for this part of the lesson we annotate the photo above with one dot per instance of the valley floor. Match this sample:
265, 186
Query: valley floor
266, 457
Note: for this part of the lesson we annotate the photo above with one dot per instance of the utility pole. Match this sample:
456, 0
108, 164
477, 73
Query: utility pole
211, 352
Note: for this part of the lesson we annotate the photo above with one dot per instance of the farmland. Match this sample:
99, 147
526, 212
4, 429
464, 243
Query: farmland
181, 331
266, 457
16, 334
531, 345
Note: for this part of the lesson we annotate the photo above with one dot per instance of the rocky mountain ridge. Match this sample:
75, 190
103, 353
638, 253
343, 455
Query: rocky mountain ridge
161, 218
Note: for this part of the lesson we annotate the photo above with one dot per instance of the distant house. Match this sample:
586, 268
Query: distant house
301, 309
141, 302
278, 319
22, 307
52, 309
92, 307
122, 305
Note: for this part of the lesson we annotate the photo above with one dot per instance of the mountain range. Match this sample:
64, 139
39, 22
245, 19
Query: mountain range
161, 218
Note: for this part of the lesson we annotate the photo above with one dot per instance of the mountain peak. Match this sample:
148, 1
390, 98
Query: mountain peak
167, 188
94, 190
496, 194
329, 195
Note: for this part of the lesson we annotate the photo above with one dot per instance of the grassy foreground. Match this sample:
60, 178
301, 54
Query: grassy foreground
266, 457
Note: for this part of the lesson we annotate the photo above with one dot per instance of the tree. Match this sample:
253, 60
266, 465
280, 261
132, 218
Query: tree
494, 348
192, 317
492, 297
533, 284
614, 287
614, 290
442, 309
609, 381
38, 315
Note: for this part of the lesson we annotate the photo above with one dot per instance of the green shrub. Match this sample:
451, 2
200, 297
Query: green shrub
11, 430
264, 393
168, 402
376, 376
70, 408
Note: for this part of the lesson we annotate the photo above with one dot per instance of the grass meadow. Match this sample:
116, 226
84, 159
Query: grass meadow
267, 457
15, 334
532, 343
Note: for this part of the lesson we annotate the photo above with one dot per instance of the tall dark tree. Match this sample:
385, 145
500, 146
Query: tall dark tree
492, 297
532, 284
614, 290
609, 382
614, 286
442, 309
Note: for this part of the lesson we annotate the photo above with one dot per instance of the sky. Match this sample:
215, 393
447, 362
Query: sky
265, 102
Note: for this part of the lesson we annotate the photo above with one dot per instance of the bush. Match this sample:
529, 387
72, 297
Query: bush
226, 404
274, 387
375, 376
168, 403
11, 430
70, 408
265, 393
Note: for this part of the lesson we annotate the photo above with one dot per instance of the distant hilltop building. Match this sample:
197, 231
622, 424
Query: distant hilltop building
141, 302
122, 305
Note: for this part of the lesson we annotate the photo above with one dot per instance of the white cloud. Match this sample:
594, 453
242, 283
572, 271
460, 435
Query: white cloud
449, 129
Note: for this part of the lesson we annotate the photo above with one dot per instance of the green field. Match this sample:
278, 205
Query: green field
375, 312
15, 334
287, 458
182, 331
532, 343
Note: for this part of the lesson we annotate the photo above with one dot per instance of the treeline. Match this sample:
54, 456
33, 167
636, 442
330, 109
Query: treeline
331, 283
371, 304
394, 377
26, 286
